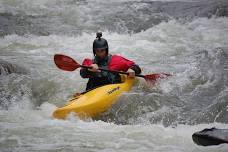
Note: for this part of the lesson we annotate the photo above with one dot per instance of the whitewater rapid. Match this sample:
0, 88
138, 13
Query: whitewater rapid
159, 118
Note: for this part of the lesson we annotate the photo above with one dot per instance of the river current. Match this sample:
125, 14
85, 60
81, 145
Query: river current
188, 39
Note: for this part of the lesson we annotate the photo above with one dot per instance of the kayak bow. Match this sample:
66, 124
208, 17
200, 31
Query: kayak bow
94, 102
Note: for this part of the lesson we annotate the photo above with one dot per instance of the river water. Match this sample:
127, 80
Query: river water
188, 39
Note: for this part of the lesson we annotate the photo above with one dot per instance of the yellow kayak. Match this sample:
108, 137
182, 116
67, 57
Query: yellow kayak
94, 102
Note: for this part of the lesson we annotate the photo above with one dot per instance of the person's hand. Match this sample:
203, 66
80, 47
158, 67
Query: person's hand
131, 73
94, 68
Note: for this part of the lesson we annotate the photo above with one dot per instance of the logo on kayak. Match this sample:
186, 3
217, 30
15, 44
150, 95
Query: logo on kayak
113, 90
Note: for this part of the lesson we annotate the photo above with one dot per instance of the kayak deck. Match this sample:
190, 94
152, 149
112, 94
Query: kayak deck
94, 102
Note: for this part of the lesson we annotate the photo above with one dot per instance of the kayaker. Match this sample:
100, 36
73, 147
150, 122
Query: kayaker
103, 59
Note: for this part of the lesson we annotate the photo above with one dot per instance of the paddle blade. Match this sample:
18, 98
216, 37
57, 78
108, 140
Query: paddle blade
152, 78
65, 62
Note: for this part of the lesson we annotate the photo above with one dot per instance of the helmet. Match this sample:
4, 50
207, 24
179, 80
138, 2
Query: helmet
100, 43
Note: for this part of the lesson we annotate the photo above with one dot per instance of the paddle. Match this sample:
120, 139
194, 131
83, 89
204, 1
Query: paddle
66, 63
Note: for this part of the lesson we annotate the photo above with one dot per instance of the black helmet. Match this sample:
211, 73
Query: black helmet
100, 43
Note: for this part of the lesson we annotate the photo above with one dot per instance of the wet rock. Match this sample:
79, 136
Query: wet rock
8, 68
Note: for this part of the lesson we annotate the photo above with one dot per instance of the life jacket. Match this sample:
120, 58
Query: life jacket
111, 62
120, 63
105, 64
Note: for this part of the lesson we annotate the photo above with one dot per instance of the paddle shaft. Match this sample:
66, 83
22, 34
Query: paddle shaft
68, 64
112, 71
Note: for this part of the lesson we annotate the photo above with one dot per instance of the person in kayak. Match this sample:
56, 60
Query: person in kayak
103, 59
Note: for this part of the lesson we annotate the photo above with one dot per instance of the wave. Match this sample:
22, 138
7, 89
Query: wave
75, 17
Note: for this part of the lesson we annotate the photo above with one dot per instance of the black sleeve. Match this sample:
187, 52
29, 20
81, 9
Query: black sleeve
136, 68
85, 73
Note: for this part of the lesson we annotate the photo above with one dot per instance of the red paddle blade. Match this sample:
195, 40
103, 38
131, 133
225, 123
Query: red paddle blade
152, 78
65, 62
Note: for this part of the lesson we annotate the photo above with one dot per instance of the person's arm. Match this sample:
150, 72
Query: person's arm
86, 73
131, 66
136, 68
